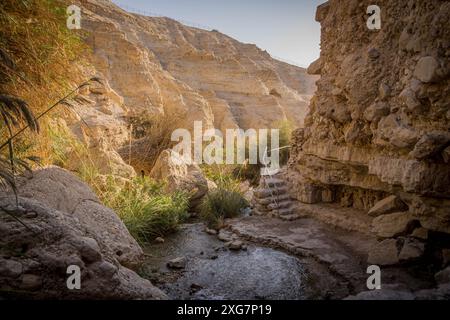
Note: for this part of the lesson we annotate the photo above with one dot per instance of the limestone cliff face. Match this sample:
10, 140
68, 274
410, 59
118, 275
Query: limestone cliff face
379, 123
161, 66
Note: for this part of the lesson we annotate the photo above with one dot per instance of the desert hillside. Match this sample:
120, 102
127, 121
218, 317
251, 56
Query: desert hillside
159, 65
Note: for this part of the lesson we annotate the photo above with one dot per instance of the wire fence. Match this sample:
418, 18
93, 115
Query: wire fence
154, 14
190, 24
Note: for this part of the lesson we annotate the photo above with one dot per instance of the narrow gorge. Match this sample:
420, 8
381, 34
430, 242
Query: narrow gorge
364, 148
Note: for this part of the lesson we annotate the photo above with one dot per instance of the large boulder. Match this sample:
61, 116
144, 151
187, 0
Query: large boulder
180, 176
57, 222
58, 189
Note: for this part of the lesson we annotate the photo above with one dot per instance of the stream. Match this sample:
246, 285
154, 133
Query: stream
212, 271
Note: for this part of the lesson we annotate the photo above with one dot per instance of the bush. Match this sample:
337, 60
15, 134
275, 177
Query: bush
143, 207
221, 204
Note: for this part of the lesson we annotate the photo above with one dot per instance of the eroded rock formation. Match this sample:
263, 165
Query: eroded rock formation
379, 124
159, 65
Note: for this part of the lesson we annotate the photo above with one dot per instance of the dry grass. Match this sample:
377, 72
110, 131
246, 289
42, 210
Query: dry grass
38, 63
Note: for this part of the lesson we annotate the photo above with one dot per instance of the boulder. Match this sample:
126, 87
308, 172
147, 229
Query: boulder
384, 253
180, 176
51, 240
387, 205
74, 197
392, 225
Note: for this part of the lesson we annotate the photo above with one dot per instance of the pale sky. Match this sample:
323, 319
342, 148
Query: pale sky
285, 28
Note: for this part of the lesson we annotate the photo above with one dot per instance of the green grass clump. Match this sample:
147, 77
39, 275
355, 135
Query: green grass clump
145, 209
221, 204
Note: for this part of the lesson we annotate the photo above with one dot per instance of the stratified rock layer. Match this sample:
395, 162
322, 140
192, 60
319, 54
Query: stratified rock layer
379, 123
161, 66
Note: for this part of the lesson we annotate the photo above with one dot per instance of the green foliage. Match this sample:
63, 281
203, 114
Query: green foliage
223, 176
221, 204
147, 211
286, 128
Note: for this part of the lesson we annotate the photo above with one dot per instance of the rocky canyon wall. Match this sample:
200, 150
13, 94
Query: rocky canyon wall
161, 66
379, 123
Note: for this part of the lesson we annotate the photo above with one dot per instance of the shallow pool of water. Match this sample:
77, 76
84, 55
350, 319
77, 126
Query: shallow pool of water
214, 272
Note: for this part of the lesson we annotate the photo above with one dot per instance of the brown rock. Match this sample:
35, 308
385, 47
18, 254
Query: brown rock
431, 144
420, 233
387, 205
392, 225
427, 69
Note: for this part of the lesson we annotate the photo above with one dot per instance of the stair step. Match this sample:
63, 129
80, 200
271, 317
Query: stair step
285, 212
269, 200
262, 209
273, 182
264, 193
290, 217
280, 205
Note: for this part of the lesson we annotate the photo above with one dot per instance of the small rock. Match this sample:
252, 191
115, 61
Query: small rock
31, 282
211, 231
384, 253
376, 111
177, 263
443, 276
387, 205
196, 287
420, 233
373, 53
427, 69
392, 225
89, 249
159, 240
224, 236
214, 257
235, 245
430, 144
411, 250
409, 99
